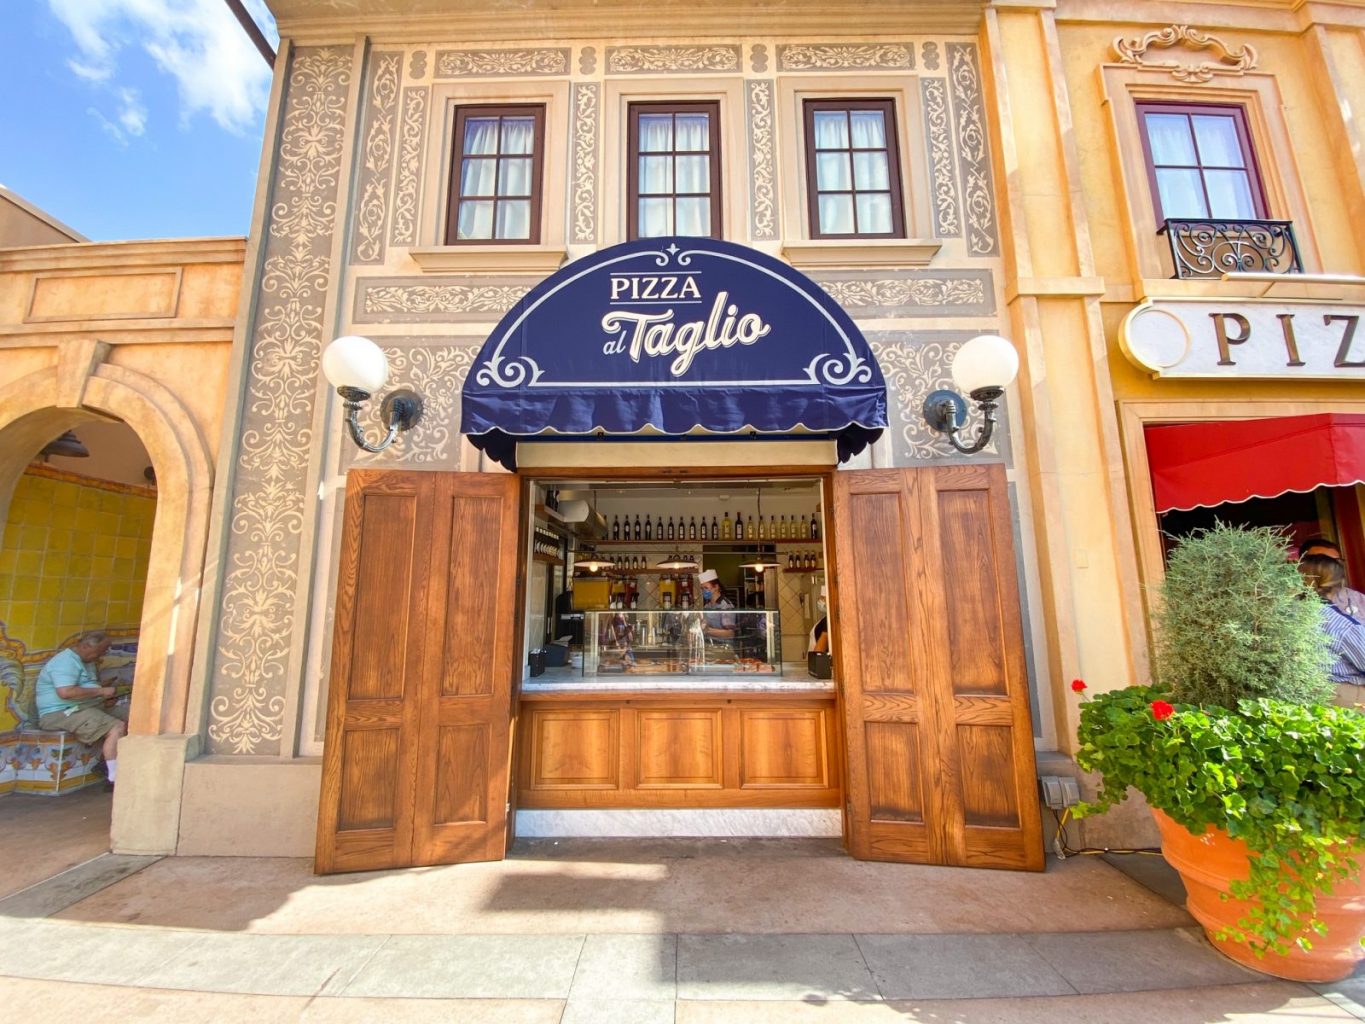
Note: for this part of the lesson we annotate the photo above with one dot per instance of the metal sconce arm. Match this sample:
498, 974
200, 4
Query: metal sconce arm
401, 409
945, 412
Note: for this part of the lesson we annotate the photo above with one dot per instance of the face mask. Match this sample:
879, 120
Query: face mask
820, 605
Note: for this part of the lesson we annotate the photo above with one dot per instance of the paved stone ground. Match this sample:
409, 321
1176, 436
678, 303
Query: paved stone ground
607, 932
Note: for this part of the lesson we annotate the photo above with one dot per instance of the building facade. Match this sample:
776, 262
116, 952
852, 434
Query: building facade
938, 171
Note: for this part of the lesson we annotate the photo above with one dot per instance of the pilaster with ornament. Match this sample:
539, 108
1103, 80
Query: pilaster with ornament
762, 161
973, 156
372, 192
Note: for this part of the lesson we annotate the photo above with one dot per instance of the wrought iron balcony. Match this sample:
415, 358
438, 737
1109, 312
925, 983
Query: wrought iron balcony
1212, 248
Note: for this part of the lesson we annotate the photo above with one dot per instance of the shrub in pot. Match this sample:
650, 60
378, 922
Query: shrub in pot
1256, 781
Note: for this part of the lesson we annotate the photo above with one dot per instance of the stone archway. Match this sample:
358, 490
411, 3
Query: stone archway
41, 405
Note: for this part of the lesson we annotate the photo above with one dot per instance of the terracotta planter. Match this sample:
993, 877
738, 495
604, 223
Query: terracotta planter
1209, 863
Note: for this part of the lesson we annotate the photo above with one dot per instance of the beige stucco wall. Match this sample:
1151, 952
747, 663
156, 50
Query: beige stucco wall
140, 331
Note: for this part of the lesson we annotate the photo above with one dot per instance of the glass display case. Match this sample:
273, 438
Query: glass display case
703, 643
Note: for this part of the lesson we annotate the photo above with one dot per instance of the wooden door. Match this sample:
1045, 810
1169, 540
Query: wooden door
415, 761
930, 658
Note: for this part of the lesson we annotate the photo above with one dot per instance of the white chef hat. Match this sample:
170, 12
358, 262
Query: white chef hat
824, 592
708, 576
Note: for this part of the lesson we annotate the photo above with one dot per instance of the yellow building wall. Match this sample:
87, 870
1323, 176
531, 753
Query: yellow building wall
73, 557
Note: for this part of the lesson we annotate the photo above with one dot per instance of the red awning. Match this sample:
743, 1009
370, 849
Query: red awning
1205, 464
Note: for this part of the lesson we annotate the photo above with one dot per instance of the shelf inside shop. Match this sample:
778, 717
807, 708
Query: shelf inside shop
800, 572
704, 543
547, 559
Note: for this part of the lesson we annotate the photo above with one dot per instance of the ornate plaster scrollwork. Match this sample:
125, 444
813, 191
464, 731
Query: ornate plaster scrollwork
437, 373
586, 107
1229, 60
763, 214
634, 60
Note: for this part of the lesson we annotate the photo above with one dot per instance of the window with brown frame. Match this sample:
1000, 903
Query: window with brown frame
495, 176
853, 177
674, 169
1200, 162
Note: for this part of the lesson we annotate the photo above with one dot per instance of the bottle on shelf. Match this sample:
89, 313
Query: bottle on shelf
739, 526
760, 531
672, 530
615, 527
692, 528
727, 528
649, 528
637, 526
715, 530
814, 527
772, 527
783, 531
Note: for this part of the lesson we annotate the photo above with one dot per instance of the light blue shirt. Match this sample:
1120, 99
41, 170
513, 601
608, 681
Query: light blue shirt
64, 669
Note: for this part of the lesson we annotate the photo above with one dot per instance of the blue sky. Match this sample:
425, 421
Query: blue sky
133, 118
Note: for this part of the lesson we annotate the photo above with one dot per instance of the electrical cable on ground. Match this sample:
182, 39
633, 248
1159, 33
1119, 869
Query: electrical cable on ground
1061, 846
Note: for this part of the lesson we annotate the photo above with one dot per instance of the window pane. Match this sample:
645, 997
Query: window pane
694, 217
1169, 137
693, 173
870, 171
478, 177
693, 132
1218, 144
656, 133
869, 129
514, 218
1181, 194
831, 129
874, 213
831, 172
516, 178
476, 220
656, 218
656, 175
518, 134
836, 215
481, 135
1230, 195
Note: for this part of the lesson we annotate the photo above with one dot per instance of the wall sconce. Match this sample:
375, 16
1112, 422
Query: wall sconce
983, 368
357, 368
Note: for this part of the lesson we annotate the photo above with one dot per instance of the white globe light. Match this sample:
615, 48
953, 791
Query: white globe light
987, 361
355, 362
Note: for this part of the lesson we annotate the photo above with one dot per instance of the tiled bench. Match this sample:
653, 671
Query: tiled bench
47, 762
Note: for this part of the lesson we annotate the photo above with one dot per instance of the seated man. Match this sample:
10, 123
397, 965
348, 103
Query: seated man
69, 696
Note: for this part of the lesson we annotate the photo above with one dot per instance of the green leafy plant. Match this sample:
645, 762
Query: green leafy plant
1284, 778
1238, 734
1236, 620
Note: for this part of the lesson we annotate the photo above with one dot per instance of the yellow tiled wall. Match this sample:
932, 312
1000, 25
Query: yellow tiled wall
74, 557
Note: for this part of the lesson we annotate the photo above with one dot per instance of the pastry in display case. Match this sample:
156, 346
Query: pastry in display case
676, 642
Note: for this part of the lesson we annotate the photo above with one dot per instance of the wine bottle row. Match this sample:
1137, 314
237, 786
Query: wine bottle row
756, 527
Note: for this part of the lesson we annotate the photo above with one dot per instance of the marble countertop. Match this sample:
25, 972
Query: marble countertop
570, 679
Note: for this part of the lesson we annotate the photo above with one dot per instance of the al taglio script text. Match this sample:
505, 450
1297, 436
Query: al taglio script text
656, 335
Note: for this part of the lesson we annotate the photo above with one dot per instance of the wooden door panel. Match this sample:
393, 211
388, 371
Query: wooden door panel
931, 671
466, 689
572, 749
419, 705
369, 756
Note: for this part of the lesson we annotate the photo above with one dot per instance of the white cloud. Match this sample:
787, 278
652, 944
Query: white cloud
132, 115
198, 42
108, 127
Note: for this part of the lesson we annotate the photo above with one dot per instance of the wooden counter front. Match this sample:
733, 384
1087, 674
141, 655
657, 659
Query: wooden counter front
678, 750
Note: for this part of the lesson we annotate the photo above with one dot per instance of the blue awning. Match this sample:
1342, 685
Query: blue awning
674, 337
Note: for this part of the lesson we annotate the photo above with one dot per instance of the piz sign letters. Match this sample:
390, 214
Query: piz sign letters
1242, 341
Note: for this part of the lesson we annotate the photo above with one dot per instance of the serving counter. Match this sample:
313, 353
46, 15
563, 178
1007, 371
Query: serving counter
678, 709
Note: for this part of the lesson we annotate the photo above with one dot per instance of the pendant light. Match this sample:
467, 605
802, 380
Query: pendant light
760, 562
592, 563
677, 561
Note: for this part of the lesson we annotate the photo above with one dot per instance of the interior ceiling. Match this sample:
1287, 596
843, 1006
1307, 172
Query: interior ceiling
583, 489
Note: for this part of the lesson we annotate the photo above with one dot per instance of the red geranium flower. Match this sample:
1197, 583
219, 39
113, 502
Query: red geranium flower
1161, 710
1078, 685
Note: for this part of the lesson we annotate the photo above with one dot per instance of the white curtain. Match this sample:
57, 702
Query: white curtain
481, 136
869, 129
664, 176
1169, 137
518, 134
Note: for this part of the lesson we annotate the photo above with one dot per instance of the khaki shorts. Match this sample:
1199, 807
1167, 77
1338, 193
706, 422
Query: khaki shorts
89, 725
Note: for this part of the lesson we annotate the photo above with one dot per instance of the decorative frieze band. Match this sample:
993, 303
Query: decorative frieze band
372, 190
973, 156
391, 300
481, 63
907, 293
248, 678
637, 60
846, 57
412, 134
762, 162
586, 111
